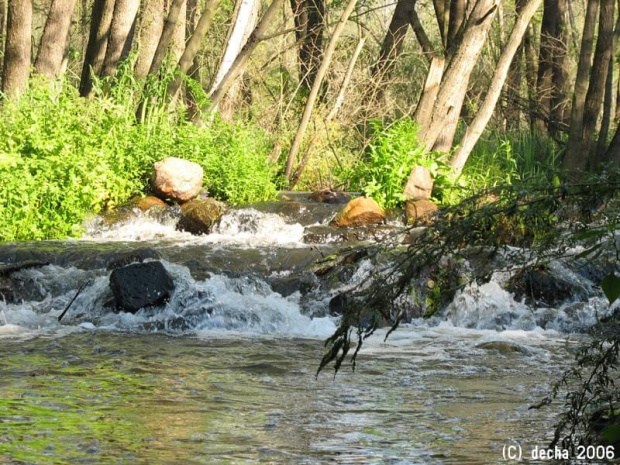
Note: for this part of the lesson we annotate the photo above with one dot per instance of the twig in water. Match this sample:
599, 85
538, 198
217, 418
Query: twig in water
74, 297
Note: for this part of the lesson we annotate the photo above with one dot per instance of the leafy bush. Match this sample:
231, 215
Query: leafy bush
391, 154
63, 157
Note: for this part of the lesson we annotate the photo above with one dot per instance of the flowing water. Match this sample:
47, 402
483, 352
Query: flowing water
225, 371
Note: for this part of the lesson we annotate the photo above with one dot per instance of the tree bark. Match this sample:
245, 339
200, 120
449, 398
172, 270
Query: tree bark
442, 14
17, 48
101, 19
596, 90
458, 9
174, 16
515, 79
501, 72
613, 151
439, 133
608, 105
393, 42
125, 12
179, 34
575, 136
2, 23
578, 158
240, 62
314, 92
150, 32
193, 46
552, 65
55, 38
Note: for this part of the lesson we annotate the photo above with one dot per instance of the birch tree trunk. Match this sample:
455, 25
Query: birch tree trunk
243, 25
2, 30
150, 32
17, 48
55, 38
238, 66
125, 12
501, 72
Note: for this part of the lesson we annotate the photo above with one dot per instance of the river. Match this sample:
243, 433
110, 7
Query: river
225, 372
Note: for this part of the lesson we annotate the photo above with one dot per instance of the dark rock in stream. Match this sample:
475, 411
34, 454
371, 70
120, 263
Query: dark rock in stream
338, 305
140, 285
287, 285
540, 287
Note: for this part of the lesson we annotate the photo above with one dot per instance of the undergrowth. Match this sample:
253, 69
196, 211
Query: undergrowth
63, 157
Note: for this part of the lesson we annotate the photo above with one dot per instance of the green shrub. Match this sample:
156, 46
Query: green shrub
393, 151
63, 157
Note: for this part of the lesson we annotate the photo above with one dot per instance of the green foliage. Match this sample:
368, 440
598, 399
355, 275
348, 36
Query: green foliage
506, 159
63, 157
392, 152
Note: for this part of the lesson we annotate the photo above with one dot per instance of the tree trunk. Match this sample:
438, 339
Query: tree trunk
174, 17
240, 62
501, 72
243, 24
55, 38
458, 9
442, 14
150, 32
575, 136
598, 77
193, 46
2, 29
579, 157
552, 64
613, 152
177, 47
101, 19
314, 92
393, 42
125, 12
608, 105
515, 80
312, 45
439, 133
17, 48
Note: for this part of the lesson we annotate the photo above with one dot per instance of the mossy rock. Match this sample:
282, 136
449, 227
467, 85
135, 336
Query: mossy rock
200, 215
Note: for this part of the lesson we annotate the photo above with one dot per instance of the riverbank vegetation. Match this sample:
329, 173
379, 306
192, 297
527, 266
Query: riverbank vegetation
307, 95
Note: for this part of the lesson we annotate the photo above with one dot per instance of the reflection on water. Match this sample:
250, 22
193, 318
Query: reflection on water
425, 396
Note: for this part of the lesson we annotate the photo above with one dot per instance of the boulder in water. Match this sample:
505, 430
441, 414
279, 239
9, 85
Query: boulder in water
199, 216
362, 211
504, 347
540, 287
140, 285
177, 179
419, 212
150, 201
420, 184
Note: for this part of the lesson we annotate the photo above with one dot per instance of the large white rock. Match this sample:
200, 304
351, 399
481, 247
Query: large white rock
177, 179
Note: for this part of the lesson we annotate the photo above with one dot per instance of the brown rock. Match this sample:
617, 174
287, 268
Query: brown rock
150, 201
199, 216
177, 179
420, 184
419, 211
329, 196
362, 211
